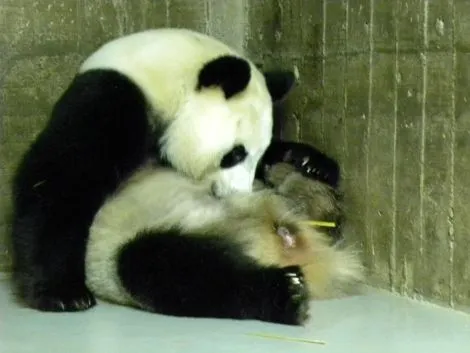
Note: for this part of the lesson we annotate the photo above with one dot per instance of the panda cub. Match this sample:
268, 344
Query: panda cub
165, 244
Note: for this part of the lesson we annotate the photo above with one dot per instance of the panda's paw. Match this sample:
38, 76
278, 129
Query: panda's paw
314, 165
66, 298
292, 298
327, 173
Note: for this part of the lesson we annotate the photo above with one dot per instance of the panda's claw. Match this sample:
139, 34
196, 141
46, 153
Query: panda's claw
65, 299
305, 161
291, 305
312, 163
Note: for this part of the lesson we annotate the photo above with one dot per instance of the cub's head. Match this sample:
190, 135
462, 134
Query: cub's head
316, 200
275, 230
282, 233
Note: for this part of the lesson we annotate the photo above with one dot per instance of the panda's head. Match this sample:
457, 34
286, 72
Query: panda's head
226, 124
210, 106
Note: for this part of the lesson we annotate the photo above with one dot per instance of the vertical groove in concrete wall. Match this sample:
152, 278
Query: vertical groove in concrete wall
422, 159
344, 51
450, 211
226, 20
393, 245
369, 238
323, 66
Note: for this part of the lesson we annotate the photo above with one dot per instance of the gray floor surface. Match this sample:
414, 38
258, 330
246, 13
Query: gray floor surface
376, 322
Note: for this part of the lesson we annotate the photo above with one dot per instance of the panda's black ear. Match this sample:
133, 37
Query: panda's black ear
232, 74
280, 83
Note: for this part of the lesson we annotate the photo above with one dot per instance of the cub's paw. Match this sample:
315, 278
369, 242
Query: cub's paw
66, 298
291, 303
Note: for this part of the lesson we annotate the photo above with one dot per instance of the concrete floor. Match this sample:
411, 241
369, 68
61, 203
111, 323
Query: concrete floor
376, 322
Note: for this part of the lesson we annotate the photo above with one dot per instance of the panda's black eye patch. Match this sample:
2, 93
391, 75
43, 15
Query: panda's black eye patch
234, 157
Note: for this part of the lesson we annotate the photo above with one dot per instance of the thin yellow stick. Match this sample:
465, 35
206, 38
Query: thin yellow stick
321, 224
283, 338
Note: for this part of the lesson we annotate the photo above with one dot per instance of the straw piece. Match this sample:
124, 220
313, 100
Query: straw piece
284, 338
321, 224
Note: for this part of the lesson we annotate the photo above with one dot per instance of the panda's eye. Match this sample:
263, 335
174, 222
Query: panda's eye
235, 156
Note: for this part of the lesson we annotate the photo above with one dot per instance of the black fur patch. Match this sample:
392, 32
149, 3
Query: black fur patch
232, 74
97, 135
279, 83
234, 157
307, 159
198, 276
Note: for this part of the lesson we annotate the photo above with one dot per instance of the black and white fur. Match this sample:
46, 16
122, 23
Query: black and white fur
176, 96
164, 243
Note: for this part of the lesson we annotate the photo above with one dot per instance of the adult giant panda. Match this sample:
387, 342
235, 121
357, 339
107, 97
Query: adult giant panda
180, 97
164, 243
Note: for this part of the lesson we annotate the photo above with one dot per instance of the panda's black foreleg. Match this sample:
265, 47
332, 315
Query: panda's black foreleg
96, 136
307, 159
199, 276
49, 267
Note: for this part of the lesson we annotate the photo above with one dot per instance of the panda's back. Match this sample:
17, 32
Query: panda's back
164, 45
163, 62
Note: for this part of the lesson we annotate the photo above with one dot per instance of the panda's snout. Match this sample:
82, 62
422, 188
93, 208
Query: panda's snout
233, 180
220, 190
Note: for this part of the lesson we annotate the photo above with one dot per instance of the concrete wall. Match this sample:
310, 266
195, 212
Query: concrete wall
383, 88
